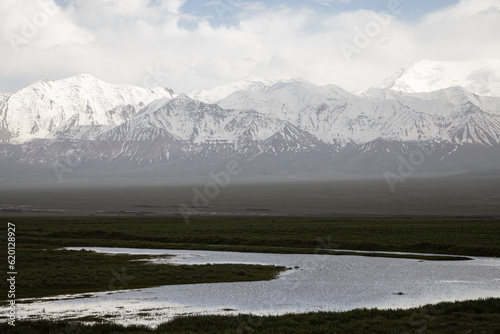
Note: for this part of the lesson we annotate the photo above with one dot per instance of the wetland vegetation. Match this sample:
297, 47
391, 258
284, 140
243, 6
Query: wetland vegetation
46, 270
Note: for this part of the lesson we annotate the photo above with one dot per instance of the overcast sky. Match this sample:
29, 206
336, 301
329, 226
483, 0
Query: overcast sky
194, 44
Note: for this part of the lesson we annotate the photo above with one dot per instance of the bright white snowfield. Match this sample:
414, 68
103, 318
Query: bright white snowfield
481, 77
216, 94
47, 106
446, 102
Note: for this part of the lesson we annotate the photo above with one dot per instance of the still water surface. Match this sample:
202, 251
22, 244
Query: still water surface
320, 283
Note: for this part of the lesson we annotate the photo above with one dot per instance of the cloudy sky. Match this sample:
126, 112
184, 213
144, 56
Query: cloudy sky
194, 44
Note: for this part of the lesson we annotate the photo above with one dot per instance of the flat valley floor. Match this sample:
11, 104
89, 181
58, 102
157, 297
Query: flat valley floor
439, 196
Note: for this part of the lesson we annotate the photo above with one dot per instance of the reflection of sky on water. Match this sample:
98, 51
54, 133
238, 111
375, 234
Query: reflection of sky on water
321, 283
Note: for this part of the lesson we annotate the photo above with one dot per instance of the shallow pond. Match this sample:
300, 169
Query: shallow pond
320, 283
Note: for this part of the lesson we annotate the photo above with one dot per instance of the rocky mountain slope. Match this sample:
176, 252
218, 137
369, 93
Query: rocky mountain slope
46, 108
281, 127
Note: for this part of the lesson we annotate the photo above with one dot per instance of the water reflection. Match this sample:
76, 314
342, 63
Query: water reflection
320, 283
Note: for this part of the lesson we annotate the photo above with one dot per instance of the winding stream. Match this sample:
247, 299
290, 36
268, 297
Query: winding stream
320, 283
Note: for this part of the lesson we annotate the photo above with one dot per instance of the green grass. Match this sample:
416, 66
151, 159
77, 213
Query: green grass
51, 272
480, 316
460, 236
43, 270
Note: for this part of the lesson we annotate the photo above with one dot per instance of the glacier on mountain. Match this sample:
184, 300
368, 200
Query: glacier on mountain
481, 77
293, 124
48, 107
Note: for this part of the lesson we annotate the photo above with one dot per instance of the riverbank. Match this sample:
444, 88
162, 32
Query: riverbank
46, 270
479, 316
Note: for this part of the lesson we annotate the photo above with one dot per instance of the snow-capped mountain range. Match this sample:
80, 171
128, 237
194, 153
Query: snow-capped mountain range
251, 84
290, 125
481, 77
48, 107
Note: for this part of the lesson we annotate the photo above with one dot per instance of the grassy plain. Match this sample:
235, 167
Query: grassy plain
442, 216
50, 272
473, 236
444, 196
45, 270
481, 316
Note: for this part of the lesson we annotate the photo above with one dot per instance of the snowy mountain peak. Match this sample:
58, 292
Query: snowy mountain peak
85, 76
79, 79
290, 125
214, 95
182, 101
481, 77
42, 108
183, 97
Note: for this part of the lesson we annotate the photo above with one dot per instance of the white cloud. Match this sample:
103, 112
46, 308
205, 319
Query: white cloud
252, 6
465, 9
330, 2
467, 30
120, 41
